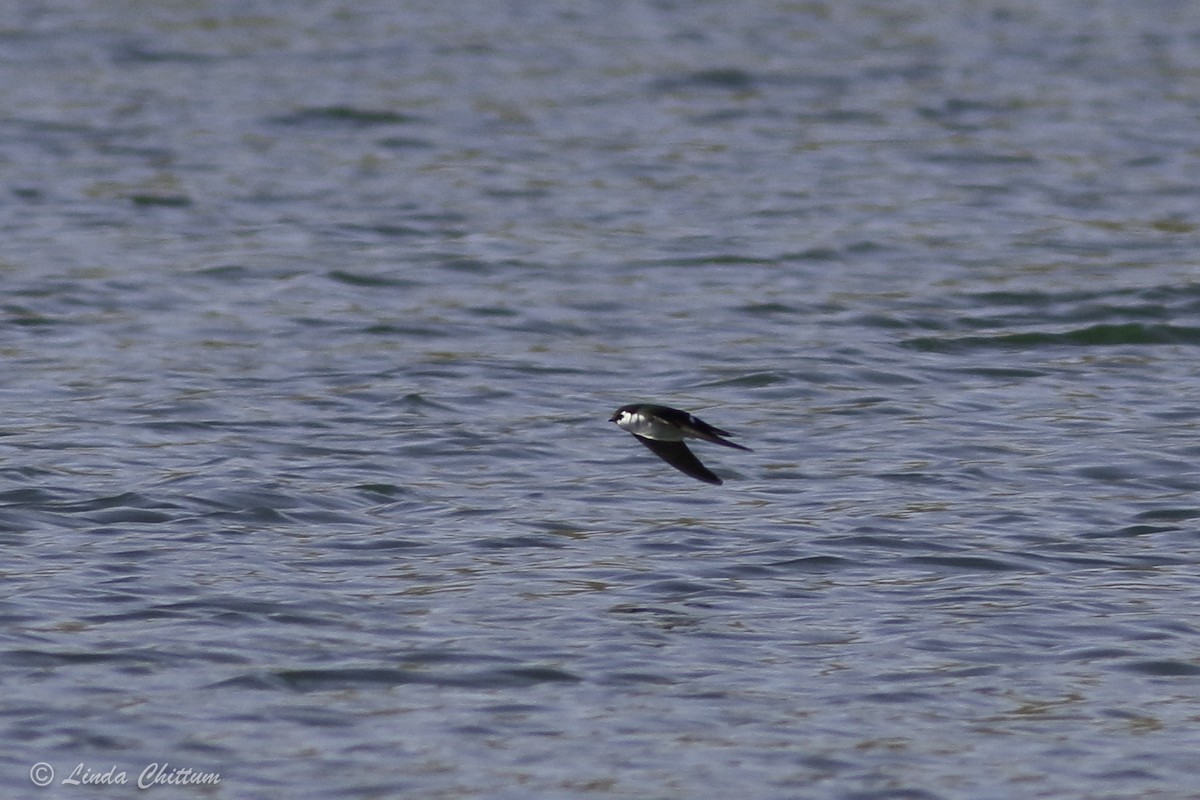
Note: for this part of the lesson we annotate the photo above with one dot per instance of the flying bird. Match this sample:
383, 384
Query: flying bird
663, 430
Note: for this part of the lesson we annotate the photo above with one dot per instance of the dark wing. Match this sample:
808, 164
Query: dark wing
678, 456
710, 434
681, 419
696, 426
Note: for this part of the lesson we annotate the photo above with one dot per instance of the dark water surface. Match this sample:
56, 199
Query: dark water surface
313, 314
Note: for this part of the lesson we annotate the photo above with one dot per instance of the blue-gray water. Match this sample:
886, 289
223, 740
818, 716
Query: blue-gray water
313, 315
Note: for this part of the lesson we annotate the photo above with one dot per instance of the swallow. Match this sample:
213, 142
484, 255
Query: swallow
663, 430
